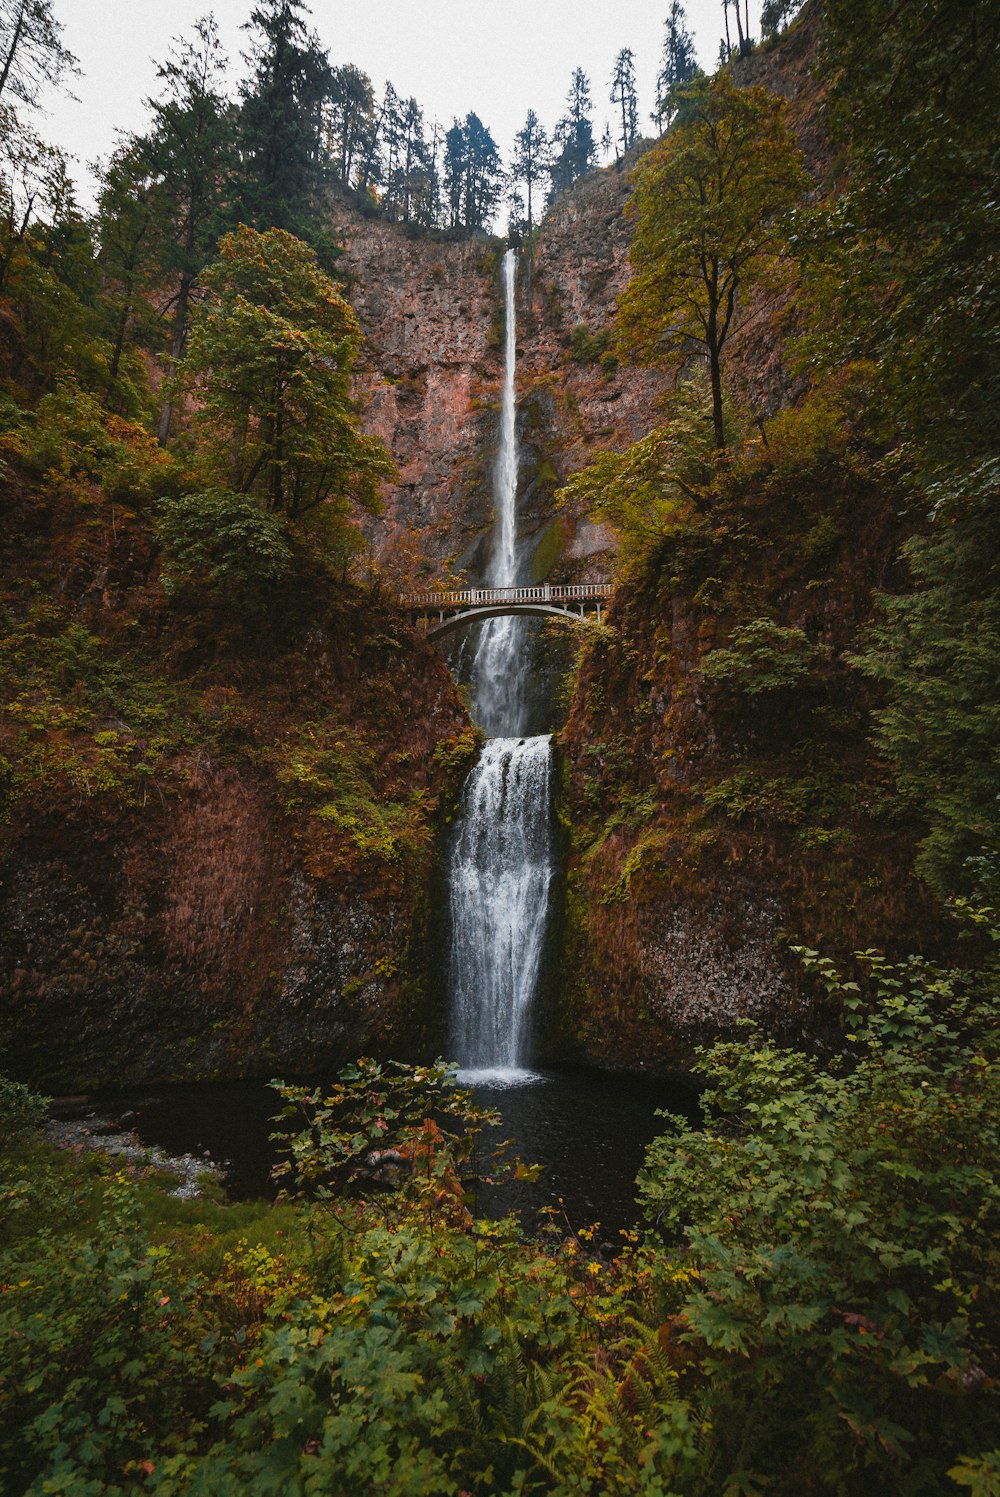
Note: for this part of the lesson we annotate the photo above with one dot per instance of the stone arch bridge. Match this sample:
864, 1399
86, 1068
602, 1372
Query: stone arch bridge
438, 612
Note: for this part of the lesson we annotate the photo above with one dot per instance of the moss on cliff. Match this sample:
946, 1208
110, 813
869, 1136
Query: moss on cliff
218, 824
721, 787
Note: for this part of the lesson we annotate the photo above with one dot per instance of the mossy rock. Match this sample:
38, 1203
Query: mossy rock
547, 552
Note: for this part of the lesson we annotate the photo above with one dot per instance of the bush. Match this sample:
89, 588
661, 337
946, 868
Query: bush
21, 1111
844, 1226
762, 657
71, 436
224, 543
587, 347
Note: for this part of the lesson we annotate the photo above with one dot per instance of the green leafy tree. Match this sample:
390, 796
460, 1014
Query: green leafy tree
709, 207
269, 362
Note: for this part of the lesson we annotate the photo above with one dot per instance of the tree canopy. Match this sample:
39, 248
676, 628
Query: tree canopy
708, 206
269, 361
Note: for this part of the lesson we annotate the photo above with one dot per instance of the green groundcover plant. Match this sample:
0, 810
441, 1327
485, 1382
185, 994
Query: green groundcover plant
812, 1309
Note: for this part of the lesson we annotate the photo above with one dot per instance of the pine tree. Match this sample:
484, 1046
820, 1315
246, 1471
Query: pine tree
188, 148
283, 163
531, 160
473, 174
126, 227
679, 64
574, 135
31, 51
347, 118
624, 95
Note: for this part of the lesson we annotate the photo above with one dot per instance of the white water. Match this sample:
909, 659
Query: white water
501, 865
497, 671
499, 878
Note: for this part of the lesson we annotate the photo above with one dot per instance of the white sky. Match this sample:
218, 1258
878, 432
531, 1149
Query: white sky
499, 59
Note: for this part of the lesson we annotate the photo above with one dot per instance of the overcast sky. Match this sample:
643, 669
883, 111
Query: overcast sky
499, 59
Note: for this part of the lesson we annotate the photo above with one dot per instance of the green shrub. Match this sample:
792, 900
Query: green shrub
71, 436
844, 1222
21, 1111
587, 347
761, 657
224, 543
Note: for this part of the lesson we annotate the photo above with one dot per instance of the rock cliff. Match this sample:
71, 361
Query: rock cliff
218, 844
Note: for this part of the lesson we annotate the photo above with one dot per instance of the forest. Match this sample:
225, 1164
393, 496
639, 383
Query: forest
754, 388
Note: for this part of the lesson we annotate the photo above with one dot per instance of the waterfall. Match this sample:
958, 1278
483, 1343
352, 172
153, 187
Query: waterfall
501, 869
501, 863
497, 672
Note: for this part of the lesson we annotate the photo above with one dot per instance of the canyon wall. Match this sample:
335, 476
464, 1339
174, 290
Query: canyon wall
218, 840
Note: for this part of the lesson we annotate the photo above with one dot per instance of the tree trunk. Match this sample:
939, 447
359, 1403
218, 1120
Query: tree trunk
12, 49
176, 349
717, 423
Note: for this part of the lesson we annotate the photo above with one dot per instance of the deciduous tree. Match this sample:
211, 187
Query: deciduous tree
269, 361
709, 206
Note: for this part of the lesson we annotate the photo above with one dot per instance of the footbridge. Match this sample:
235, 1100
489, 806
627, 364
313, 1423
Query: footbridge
439, 612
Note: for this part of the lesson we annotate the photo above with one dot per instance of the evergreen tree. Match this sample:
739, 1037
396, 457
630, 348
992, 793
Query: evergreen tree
126, 224
348, 117
774, 14
624, 95
283, 164
531, 161
188, 149
391, 136
473, 175
910, 253
31, 51
574, 135
679, 64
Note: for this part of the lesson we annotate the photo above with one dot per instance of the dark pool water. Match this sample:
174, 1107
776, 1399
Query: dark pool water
588, 1130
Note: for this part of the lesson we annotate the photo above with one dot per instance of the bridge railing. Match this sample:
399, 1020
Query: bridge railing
578, 592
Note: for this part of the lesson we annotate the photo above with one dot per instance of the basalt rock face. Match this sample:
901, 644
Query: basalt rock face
218, 840
432, 313
431, 373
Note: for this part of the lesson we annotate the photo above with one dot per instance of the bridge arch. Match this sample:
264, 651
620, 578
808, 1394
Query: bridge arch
503, 610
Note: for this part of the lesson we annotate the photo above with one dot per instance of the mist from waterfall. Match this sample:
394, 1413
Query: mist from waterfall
502, 854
